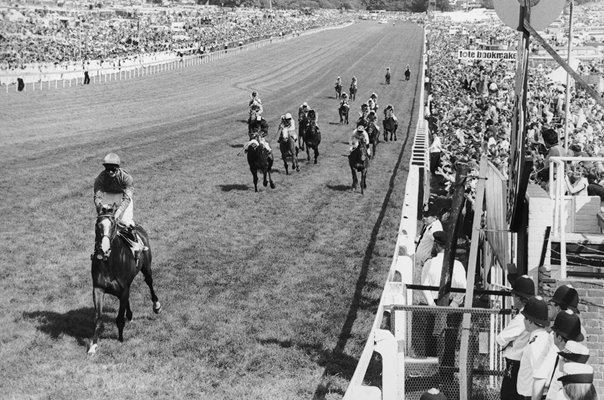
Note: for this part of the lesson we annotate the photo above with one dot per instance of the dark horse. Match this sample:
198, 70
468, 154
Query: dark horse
407, 73
359, 161
114, 268
302, 124
338, 88
353, 91
343, 111
312, 137
374, 137
289, 150
259, 159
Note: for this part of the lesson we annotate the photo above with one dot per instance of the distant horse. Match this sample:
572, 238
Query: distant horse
259, 159
407, 73
374, 137
302, 124
113, 270
289, 151
359, 162
338, 88
353, 91
312, 136
390, 126
387, 77
343, 111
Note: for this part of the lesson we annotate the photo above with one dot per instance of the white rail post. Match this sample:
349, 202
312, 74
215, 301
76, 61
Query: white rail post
563, 216
387, 347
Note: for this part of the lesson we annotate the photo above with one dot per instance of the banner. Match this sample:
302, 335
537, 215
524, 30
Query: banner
503, 55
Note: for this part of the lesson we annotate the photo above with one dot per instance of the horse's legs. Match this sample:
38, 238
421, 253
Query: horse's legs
363, 180
264, 180
97, 299
316, 150
270, 179
286, 166
255, 175
354, 178
146, 270
385, 135
120, 321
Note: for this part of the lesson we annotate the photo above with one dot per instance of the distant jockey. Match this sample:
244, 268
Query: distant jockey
388, 76
344, 101
390, 123
363, 117
257, 123
255, 104
358, 135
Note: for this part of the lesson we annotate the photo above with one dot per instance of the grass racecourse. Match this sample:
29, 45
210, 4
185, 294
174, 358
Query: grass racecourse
265, 295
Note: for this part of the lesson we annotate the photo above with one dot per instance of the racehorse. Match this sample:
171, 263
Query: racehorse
338, 88
114, 268
374, 136
343, 111
353, 91
259, 159
388, 77
312, 136
302, 124
289, 150
359, 162
407, 73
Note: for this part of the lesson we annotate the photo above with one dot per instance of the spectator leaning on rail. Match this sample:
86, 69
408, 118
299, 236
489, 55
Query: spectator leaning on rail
115, 186
514, 337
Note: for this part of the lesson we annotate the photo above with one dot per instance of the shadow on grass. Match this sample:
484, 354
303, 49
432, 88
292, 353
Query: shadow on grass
236, 146
78, 324
236, 186
339, 188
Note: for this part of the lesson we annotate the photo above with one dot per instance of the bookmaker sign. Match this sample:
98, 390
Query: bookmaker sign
503, 55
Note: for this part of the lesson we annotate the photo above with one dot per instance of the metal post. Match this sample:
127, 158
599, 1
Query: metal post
567, 101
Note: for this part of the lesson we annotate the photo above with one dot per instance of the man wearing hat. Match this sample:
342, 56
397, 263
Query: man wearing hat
573, 352
433, 394
566, 327
577, 382
431, 274
425, 241
530, 383
514, 337
565, 297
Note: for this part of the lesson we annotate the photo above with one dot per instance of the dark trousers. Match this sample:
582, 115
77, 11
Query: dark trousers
434, 161
510, 377
423, 342
86, 78
448, 344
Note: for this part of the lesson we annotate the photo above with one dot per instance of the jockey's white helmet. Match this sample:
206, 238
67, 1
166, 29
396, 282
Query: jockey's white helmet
305, 104
373, 95
112, 159
288, 116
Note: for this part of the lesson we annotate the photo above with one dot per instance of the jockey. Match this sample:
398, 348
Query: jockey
373, 98
338, 81
353, 82
115, 186
359, 135
372, 119
287, 128
390, 122
258, 137
257, 123
303, 112
387, 75
363, 118
344, 100
255, 104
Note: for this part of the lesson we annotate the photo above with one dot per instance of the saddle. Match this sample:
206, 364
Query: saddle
129, 235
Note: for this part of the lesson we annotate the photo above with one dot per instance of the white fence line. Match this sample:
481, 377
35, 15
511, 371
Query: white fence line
389, 345
37, 81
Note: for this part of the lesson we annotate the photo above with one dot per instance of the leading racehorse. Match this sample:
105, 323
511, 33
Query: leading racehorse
359, 161
114, 268
312, 136
258, 158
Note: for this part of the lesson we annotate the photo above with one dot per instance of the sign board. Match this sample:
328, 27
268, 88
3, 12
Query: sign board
500, 55
543, 12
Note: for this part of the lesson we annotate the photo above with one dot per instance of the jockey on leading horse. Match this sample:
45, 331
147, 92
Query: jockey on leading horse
255, 104
353, 88
115, 186
358, 135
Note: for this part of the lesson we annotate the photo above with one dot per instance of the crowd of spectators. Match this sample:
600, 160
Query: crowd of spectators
60, 37
470, 103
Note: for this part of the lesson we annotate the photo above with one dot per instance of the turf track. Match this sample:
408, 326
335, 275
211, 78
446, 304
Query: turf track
266, 295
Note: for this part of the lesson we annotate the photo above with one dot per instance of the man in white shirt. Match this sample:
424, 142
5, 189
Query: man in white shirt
530, 384
514, 337
425, 240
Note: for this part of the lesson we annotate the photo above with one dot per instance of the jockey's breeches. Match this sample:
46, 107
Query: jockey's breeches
127, 216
